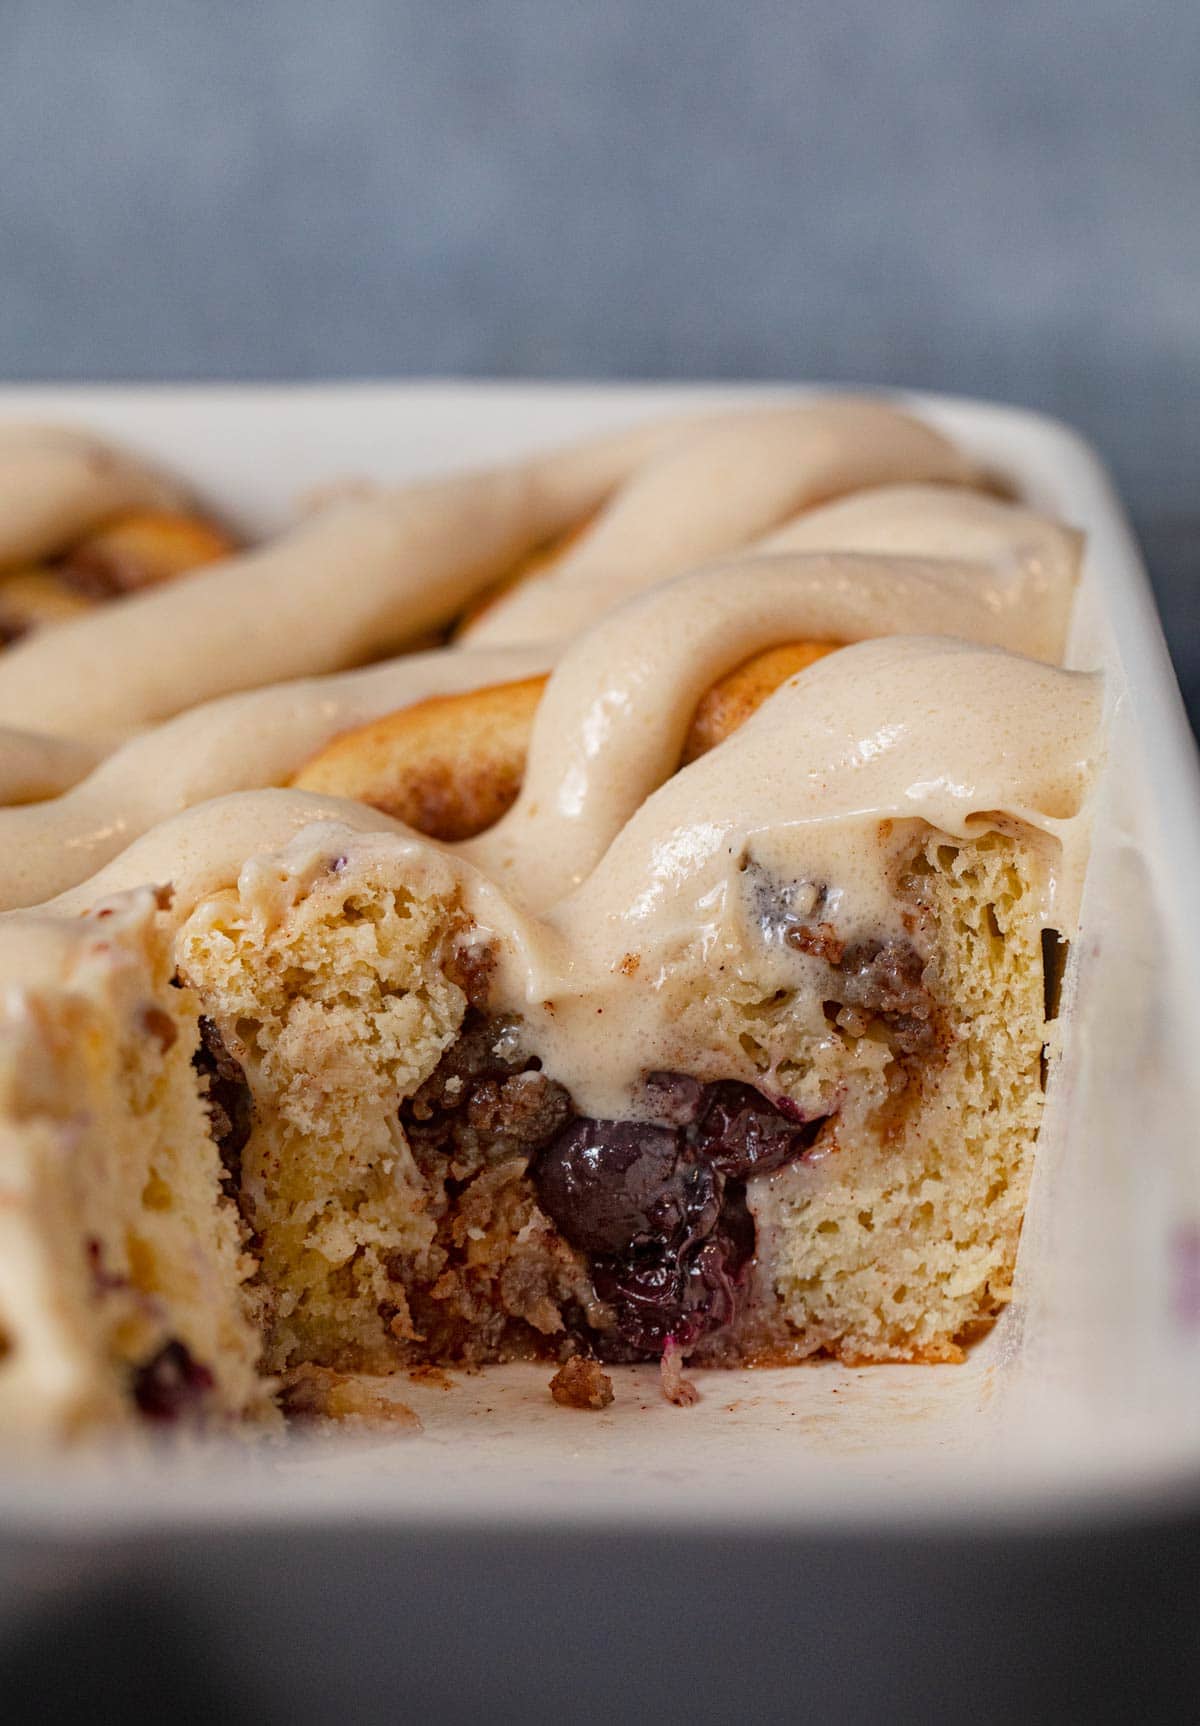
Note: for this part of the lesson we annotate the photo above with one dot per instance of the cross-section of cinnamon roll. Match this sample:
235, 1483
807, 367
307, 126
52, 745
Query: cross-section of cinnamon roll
123, 1270
767, 1081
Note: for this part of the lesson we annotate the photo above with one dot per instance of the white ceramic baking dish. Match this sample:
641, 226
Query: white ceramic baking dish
1087, 1392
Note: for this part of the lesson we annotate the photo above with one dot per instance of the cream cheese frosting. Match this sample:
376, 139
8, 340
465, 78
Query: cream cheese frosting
720, 489
364, 573
1032, 561
238, 743
612, 722
370, 571
34, 765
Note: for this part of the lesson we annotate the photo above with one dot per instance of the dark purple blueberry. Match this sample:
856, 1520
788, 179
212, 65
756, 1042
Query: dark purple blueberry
171, 1383
612, 1184
737, 1225
648, 1293
675, 1099
230, 1105
660, 1293
742, 1134
662, 1209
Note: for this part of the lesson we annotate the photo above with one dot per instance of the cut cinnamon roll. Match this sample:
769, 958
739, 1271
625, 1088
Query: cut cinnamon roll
124, 1277
767, 1083
764, 1084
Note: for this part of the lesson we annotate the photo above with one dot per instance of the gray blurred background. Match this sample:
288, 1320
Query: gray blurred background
997, 199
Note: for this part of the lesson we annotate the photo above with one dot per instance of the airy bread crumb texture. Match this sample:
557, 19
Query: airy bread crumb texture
894, 1244
338, 1001
117, 1249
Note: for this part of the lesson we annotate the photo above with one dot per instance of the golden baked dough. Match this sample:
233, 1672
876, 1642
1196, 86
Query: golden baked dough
730, 702
452, 765
31, 598
449, 766
142, 549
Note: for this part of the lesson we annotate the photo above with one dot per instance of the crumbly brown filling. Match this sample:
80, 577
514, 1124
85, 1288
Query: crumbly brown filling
499, 1281
883, 981
230, 1105
581, 1383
